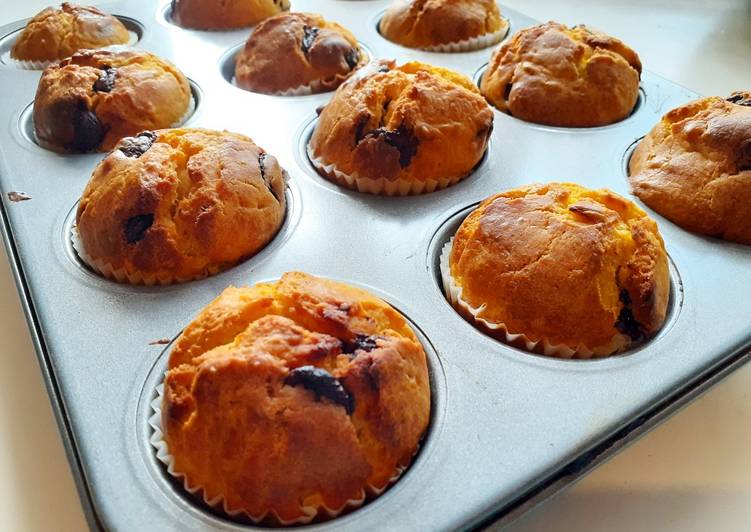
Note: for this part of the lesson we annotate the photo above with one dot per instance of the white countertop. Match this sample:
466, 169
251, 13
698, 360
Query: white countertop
693, 473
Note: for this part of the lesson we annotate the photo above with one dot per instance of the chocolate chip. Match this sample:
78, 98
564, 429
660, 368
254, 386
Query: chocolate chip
262, 167
322, 384
320, 109
136, 146
352, 58
740, 99
136, 227
384, 68
88, 131
309, 35
626, 322
402, 138
362, 121
362, 342
106, 81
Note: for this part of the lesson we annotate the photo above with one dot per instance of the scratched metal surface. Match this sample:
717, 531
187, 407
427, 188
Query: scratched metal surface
508, 428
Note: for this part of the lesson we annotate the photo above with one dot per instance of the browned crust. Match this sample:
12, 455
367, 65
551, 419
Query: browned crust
553, 261
234, 426
550, 74
211, 205
412, 122
224, 14
297, 49
694, 167
426, 23
148, 93
54, 34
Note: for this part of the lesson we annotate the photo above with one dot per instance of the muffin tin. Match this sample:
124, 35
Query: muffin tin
508, 428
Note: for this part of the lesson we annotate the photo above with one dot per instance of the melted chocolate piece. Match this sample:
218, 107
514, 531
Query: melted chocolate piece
403, 139
739, 99
106, 81
88, 131
320, 109
136, 146
322, 384
262, 167
362, 121
626, 322
352, 58
136, 227
309, 35
362, 342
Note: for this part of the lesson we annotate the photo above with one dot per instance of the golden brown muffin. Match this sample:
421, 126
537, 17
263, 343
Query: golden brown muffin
565, 265
224, 14
554, 75
179, 204
402, 130
297, 50
55, 34
432, 23
299, 393
694, 167
96, 97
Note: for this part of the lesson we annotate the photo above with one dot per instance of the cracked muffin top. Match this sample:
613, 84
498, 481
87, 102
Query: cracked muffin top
559, 76
414, 122
55, 34
179, 204
429, 23
694, 167
294, 50
224, 14
96, 97
291, 397
575, 266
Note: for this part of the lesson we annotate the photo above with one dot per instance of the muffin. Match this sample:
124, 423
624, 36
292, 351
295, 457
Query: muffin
558, 76
224, 14
560, 270
293, 400
401, 130
94, 98
297, 53
178, 204
444, 25
694, 167
55, 34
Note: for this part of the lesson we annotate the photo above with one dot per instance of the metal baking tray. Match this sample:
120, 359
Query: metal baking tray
507, 429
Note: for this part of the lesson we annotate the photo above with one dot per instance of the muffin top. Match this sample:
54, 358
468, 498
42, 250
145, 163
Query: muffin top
414, 121
429, 23
224, 14
179, 204
291, 396
694, 167
96, 97
559, 76
293, 50
560, 262
55, 34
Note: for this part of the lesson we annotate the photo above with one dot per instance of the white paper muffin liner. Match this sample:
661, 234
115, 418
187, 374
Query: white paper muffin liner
473, 43
187, 114
41, 65
380, 186
454, 293
219, 503
121, 275
303, 90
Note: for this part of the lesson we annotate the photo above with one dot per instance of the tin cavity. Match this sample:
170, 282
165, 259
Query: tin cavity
448, 228
640, 101
26, 119
172, 488
8, 40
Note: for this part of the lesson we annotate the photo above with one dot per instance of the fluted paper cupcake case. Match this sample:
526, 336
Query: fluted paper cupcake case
473, 43
41, 65
380, 186
454, 293
218, 502
121, 275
